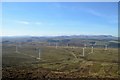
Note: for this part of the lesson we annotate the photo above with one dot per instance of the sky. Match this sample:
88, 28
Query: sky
59, 18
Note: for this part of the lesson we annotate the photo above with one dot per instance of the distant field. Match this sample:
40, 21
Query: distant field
64, 62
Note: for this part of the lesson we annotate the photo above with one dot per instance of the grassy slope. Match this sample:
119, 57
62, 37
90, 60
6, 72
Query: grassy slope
99, 63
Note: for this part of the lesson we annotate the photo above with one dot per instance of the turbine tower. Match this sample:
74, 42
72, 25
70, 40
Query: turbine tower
92, 50
39, 54
92, 44
16, 49
83, 52
106, 47
56, 45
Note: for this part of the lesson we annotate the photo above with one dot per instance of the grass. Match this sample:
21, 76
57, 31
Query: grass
100, 62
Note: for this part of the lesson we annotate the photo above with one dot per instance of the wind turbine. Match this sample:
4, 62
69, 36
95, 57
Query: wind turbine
106, 47
38, 53
56, 45
92, 44
83, 52
92, 49
16, 50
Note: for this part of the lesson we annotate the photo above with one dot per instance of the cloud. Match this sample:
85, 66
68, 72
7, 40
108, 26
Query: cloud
95, 13
29, 22
24, 22
109, 18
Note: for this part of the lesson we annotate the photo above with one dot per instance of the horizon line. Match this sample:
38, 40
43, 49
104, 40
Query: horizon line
56, 35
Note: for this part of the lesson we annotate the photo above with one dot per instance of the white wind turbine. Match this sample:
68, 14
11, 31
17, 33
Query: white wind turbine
83, 52
106, 47
39, 54
92, 49
16, 49
92, 43
56, 44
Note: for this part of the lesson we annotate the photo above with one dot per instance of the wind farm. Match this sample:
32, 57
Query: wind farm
59, 61
60, 41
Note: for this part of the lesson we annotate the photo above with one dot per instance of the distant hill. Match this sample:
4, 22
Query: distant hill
89, 36
73, 40
42, 38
